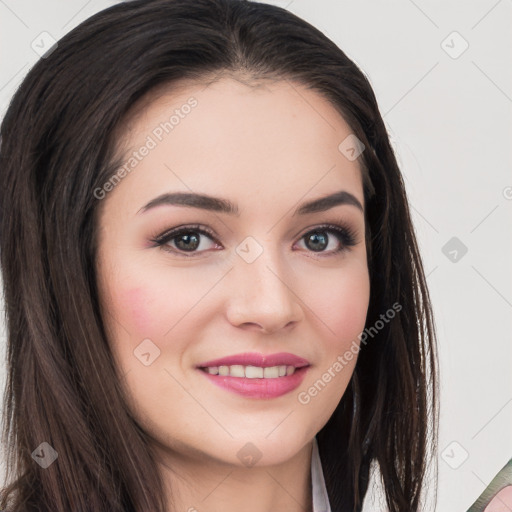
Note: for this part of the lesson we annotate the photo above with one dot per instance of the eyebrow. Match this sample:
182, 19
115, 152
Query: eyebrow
217, 204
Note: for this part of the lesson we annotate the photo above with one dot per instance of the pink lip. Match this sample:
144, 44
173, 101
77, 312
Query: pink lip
261, 360
259, 388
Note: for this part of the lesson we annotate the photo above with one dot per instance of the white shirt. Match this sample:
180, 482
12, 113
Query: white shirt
319, 491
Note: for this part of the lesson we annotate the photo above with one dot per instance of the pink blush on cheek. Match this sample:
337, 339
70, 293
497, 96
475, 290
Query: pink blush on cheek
136, 311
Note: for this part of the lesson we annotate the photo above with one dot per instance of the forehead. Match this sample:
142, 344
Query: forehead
273, 104
250, 139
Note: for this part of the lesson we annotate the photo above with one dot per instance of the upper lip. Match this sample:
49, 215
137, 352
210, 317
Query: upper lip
260, 360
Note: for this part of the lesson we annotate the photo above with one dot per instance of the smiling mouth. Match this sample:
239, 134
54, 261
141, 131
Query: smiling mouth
251, 372
256, 382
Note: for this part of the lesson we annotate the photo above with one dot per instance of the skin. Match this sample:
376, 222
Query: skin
502, 502
267, 149
497, 496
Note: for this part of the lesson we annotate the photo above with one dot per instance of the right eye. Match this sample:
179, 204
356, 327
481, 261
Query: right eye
184, 239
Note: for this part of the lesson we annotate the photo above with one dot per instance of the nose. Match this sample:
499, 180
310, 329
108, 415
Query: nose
262, 297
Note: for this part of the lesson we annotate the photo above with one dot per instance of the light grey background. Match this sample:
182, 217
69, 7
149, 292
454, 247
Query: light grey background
448, 114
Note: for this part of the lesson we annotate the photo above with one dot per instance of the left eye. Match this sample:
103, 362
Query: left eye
319, 240
188, 239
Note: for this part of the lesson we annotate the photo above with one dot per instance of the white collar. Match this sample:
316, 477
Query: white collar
319, 491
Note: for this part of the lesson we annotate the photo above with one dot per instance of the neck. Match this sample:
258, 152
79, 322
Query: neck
198, 483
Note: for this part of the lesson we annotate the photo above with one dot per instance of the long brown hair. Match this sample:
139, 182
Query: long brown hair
57, 148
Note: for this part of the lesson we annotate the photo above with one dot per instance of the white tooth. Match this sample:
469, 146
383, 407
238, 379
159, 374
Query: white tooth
253, 372
236, 370
223, 370
272, 372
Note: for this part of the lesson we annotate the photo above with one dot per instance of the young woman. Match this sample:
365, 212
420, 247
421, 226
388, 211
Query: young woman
214, 294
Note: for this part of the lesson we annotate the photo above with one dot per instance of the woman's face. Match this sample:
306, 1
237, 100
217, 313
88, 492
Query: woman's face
267, 279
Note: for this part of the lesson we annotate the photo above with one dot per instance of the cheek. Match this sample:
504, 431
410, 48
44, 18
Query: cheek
148, 310
156, 302
341, 304
136, 304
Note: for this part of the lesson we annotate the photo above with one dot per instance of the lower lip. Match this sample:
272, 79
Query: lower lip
259, 388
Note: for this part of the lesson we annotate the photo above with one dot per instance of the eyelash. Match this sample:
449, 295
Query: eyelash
345, 235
